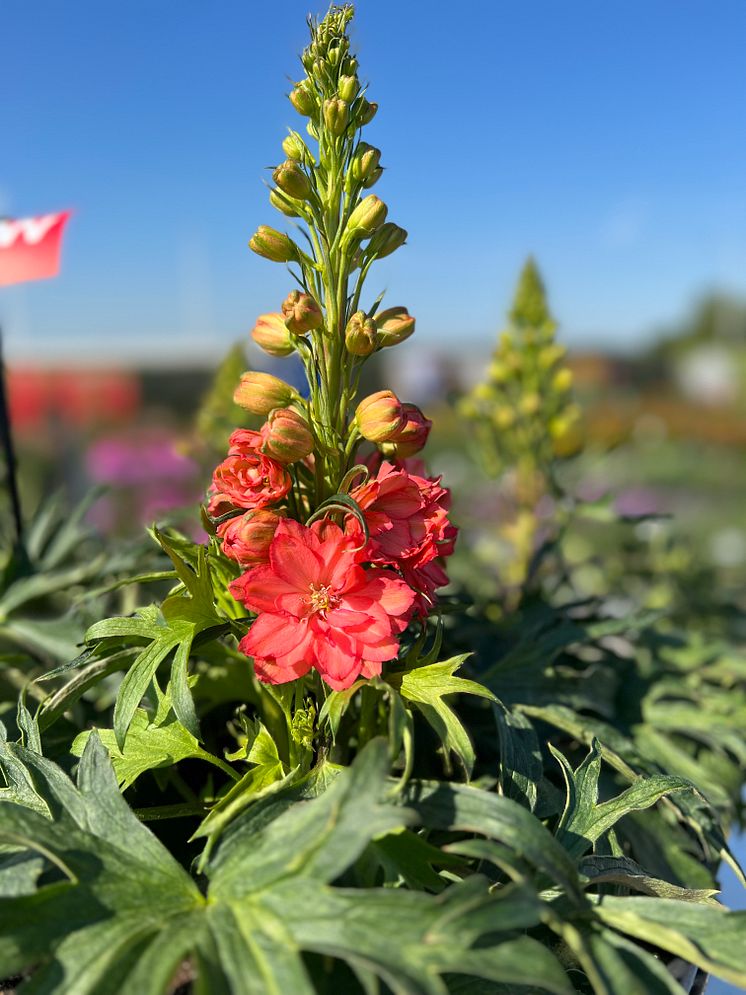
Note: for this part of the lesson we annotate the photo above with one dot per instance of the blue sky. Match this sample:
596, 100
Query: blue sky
608, 138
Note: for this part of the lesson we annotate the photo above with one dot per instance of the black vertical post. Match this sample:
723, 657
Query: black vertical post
6, 439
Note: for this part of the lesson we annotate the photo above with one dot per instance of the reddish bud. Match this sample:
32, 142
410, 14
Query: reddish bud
271, 334
286, 435
411, 438
395, 324
259, 393
379, 416
361, 336
302, 313
273, 245
247, 539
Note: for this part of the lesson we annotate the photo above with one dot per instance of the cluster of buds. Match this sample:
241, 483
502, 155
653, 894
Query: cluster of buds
276, 497
523, 413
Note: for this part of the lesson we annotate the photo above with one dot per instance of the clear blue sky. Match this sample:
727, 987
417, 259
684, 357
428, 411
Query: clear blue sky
609, 138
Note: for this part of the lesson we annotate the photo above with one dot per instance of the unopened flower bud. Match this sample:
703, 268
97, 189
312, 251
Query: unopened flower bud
271, 334
369, 215
366, 111
302, 313
350, 66
294, 147
361, 335
272, 244
549, 355
302, 99
286, 436
364, 162
347, 88
530, 403
379, 416
374, 177
286, 205
395, 325
503, 417
247, 539
336, 115
412, 436
291, 179
562, 380
498, 372
259, 393
386, 240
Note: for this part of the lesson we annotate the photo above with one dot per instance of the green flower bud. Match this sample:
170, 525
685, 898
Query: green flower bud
503, 417
361, 334
530, 404
549, 355
366, 111
374, 177
498, 372
259, 393
294, 147
291, 179
386, 240
286, 205
562, 380
364, 162
350, 66
395, 324
369, 215
347, 88
273, 245
303, 99
336, 115
302, 313
482, 392
379, 416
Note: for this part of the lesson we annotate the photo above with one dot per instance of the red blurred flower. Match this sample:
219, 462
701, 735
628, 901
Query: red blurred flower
248, 480
407, 516
247, 538
317, 607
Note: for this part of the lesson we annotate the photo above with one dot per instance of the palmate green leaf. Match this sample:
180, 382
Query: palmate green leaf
584, 819
712, 938
615, 966
150, 745
600, 868
521, 767
461, 807
118, 886
623, 755
426, 687
122, 915
184, 615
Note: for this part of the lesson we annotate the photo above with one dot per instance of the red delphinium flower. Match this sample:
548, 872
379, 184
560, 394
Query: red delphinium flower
248, 480
245, 442
317, 607
407, 516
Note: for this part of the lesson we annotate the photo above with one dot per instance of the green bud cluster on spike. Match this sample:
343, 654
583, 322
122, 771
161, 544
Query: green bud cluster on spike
523, 413
322, 181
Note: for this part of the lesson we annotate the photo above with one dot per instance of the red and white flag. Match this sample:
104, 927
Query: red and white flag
30, 247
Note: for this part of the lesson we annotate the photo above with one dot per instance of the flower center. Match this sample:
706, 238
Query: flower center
321, 598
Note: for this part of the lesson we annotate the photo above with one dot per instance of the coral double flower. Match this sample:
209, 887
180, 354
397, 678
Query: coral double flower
318, 607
